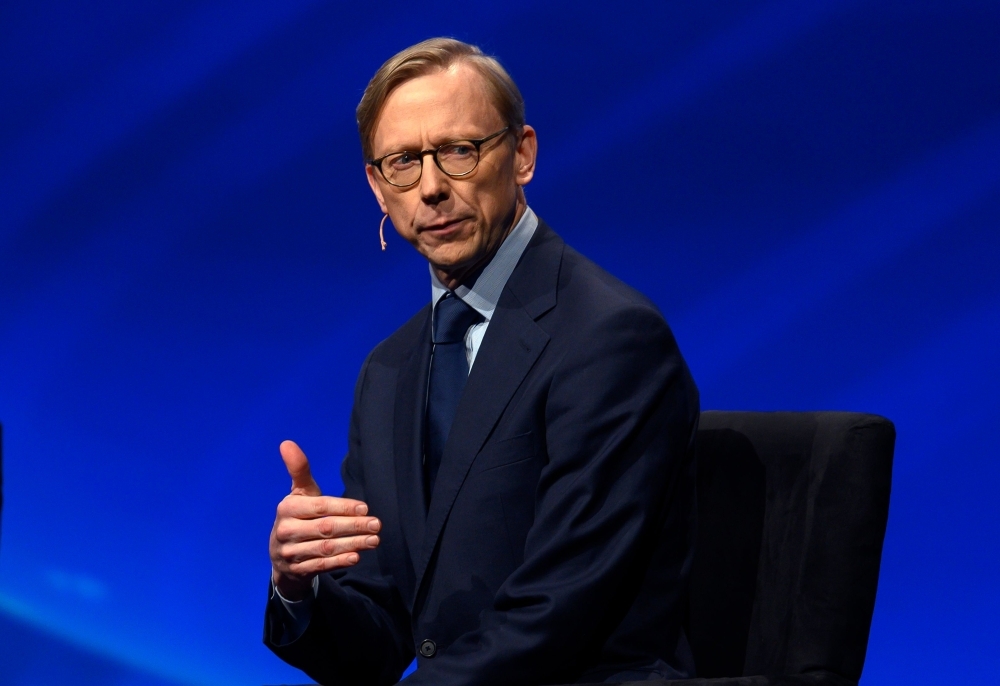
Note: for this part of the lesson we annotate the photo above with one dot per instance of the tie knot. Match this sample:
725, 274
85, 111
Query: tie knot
452, 318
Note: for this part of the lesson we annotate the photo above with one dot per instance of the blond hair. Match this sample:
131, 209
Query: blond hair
424, 58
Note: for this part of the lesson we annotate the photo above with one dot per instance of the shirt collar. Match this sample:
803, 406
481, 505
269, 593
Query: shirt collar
483, 294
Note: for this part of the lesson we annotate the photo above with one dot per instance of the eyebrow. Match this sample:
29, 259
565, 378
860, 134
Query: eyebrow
434, 145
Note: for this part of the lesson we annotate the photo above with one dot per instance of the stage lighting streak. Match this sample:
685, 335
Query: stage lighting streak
117, 105
759, 303
76, 584
943, 389
139, 234
772, 29
82, 635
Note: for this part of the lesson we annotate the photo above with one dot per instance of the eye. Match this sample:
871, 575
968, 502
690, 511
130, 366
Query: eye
402, 160
457, 150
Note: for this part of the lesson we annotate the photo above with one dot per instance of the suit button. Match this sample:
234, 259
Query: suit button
428, 648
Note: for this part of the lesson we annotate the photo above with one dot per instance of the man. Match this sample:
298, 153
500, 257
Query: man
519, 488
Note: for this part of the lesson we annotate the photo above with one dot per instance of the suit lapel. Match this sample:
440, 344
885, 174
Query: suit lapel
510, 348
408, 438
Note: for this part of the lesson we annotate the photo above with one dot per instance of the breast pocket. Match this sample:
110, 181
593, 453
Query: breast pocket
508, 452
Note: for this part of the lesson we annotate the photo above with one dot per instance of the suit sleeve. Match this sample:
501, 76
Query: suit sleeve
619, 417
358, 632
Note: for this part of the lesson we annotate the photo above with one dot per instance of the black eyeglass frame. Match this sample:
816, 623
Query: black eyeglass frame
477, 143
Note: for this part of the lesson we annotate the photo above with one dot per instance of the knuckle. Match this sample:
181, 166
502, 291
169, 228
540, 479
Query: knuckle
325, 527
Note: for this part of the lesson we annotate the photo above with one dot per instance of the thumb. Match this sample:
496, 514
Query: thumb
297, 465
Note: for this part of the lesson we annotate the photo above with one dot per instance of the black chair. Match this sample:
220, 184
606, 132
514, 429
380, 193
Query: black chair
792, 508
791, 517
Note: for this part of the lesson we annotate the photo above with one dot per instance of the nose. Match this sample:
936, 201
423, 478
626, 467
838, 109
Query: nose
434, 183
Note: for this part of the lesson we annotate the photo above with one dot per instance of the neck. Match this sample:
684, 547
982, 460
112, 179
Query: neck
453, 277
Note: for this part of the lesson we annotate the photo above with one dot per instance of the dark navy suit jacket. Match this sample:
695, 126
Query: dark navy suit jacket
558, 538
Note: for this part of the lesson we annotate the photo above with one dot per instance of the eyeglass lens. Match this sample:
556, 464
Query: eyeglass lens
455, 159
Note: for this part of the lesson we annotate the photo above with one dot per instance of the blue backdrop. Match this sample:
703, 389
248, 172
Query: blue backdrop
190, 273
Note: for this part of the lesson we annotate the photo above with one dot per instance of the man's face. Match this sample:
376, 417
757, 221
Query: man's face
456, 223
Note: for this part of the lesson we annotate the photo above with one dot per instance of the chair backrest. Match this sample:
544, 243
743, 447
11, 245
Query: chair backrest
792, 509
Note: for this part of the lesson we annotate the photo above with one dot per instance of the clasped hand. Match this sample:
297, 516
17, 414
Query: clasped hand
314, 533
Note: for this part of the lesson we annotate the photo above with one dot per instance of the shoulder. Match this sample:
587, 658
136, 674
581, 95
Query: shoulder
593, 304
583, 282
555, 282
605, 334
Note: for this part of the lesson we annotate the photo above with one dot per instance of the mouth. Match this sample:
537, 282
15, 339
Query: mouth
441, 228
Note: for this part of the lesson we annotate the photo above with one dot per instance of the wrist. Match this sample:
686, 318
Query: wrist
292, 588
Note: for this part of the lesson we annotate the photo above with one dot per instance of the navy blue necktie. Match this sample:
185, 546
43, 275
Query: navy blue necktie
449, 372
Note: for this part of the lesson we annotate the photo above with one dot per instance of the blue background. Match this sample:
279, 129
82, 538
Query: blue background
190, 273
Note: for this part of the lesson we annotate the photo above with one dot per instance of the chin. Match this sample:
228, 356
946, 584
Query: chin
448, 256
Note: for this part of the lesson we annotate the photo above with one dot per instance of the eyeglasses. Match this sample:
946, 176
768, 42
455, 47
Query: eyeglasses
454, 158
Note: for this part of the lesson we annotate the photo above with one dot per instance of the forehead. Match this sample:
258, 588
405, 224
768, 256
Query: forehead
436, 107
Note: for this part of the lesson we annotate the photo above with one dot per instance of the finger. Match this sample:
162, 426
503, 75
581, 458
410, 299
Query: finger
324, 564
297, 465
297, 553
292, 530
312, 507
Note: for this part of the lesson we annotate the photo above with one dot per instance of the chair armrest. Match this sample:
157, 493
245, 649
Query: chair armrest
820, 678
811, 679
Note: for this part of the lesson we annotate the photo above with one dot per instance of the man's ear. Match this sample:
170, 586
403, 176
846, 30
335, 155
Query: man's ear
376, 189
524, 156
